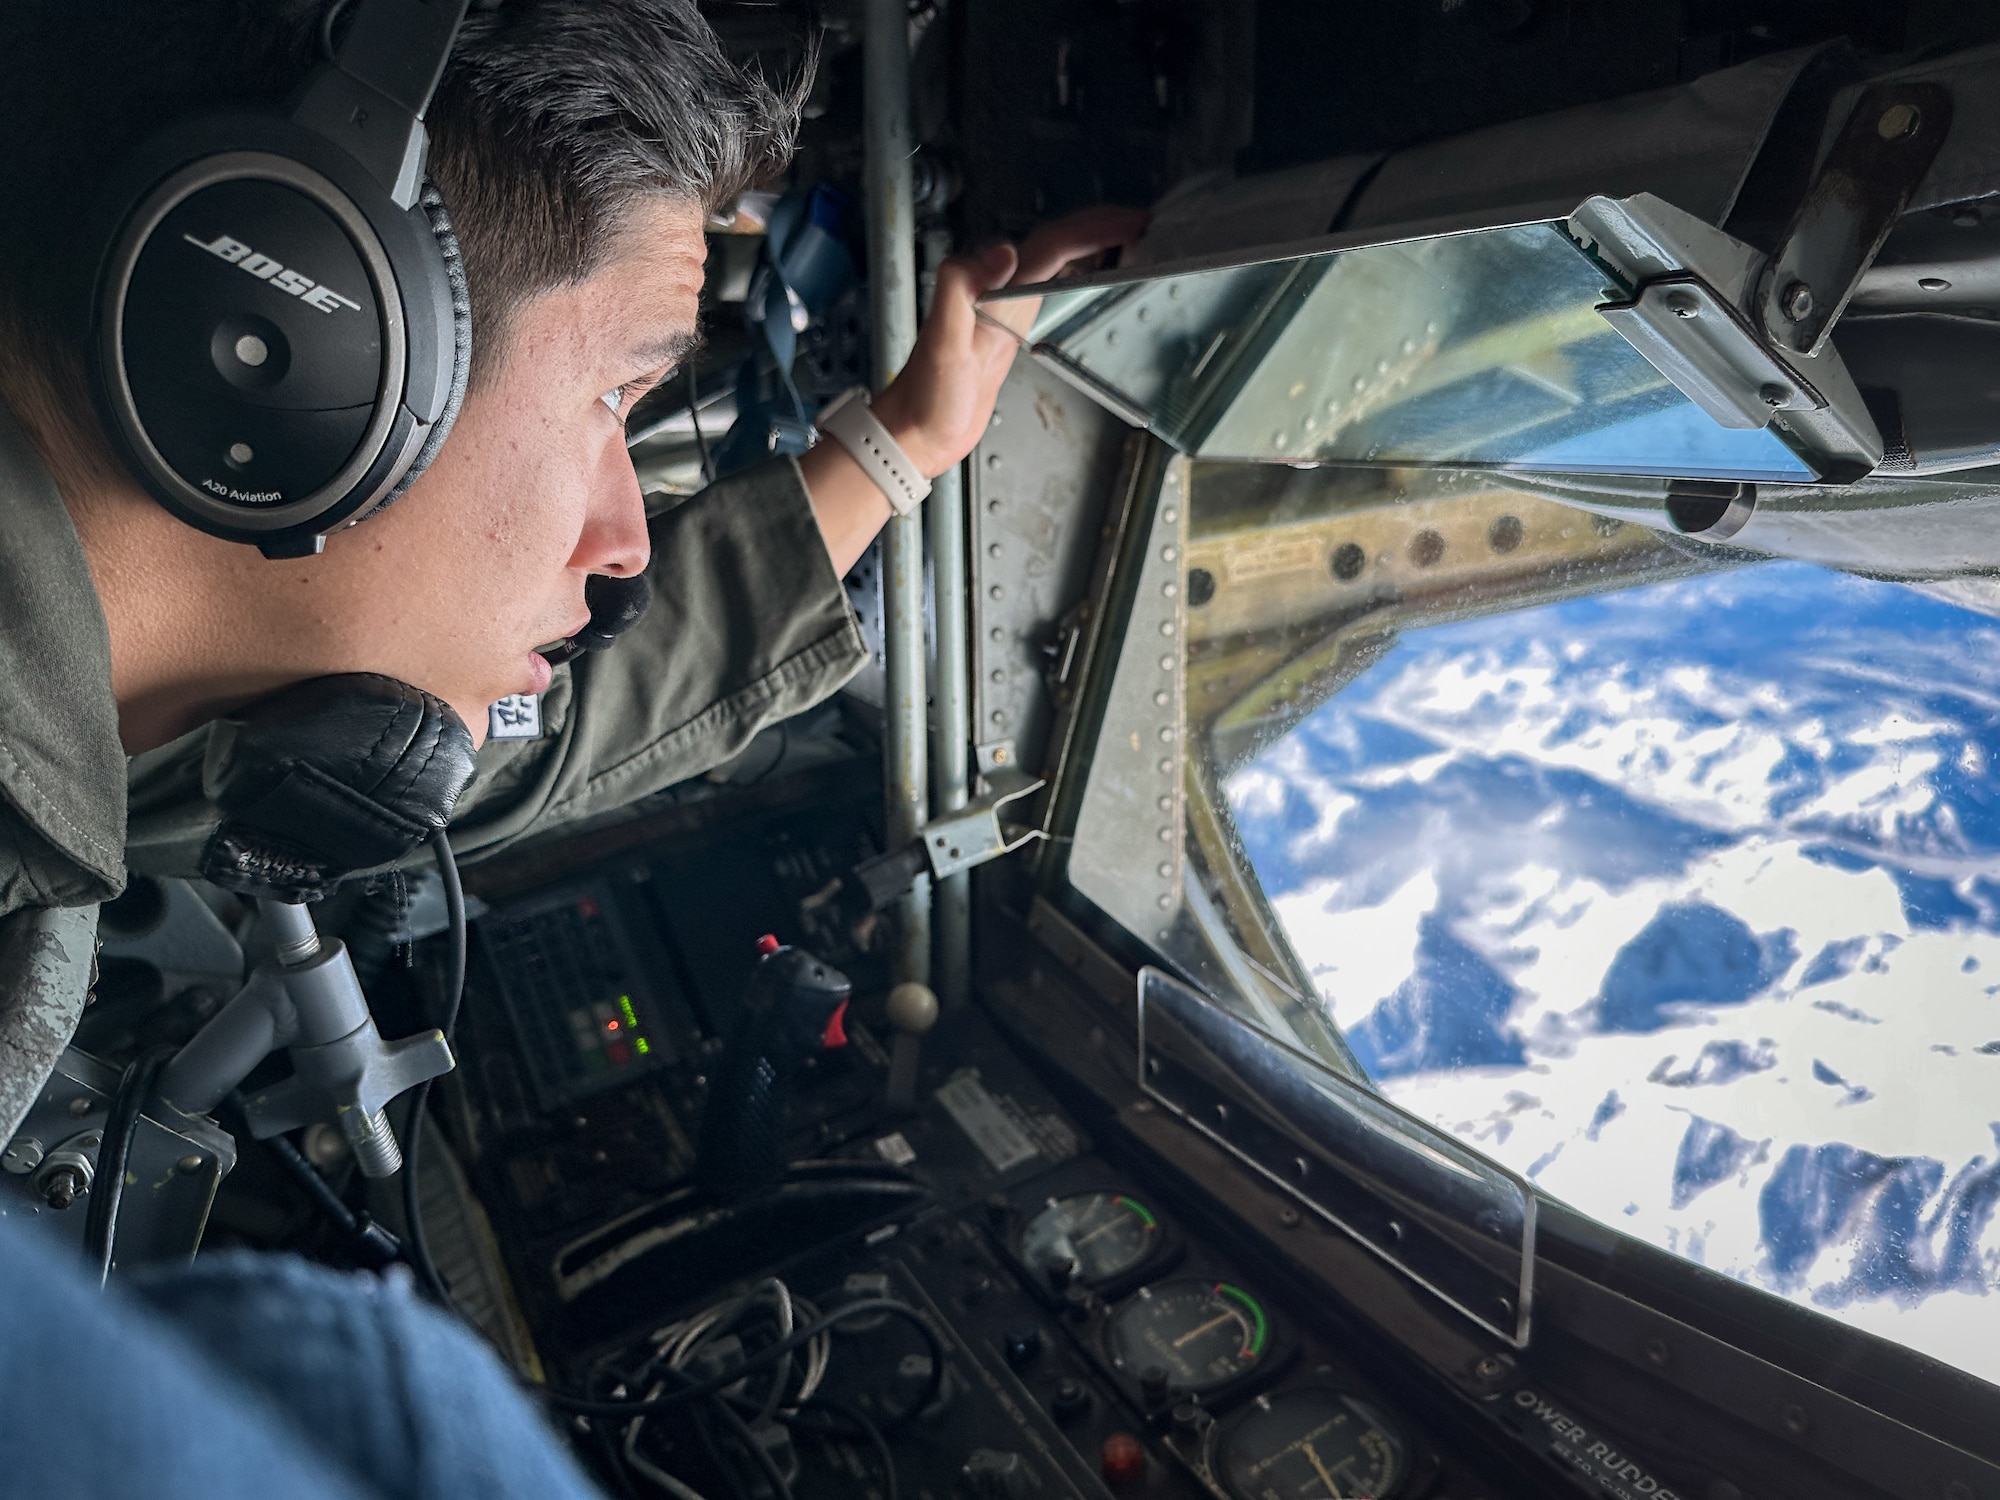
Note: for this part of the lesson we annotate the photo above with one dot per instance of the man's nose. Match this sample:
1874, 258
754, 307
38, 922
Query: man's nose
614, 539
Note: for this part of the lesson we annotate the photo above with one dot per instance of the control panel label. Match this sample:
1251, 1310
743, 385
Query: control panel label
1590, 1455
1003, 1143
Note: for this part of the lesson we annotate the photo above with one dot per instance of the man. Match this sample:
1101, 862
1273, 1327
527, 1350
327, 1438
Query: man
578, 144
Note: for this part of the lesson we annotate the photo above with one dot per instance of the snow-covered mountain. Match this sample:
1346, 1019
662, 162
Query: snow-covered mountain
1685, 902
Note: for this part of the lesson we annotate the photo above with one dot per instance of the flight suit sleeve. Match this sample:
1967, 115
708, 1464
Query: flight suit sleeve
749, 625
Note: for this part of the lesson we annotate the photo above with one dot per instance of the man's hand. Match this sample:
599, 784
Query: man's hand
943, 400
941, 403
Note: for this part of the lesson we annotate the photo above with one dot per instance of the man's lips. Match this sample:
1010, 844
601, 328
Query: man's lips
540, 673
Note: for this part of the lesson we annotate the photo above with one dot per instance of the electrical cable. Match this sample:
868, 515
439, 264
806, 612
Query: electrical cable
695, 1389
694, 416
759, 1455
721, 1465
114, 1156
414, 1242
650, 1470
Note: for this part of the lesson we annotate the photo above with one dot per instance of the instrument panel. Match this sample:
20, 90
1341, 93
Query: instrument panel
1103, 1336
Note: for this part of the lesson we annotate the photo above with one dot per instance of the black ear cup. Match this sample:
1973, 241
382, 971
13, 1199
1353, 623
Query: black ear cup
279, 348
432, 203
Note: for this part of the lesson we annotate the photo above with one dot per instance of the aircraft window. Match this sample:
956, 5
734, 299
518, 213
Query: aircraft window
1481, 347
1661, 876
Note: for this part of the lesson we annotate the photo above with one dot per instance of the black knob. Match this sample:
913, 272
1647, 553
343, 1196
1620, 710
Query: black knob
1153, 1385
1070, 1401
1023, 1345
1061, 1274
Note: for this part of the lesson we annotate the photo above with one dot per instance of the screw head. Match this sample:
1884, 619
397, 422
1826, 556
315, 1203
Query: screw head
23, 1154
1657, 1353
1797, 301
1774, 395
1288, 1218
1683, 305
1795, 1419
1491, 1373
82, 1105
191, 1163
1898, 121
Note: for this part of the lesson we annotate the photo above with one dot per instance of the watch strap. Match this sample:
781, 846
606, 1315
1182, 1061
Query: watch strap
848, 420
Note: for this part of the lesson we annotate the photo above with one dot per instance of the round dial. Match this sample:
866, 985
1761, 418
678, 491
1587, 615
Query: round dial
1311, 1444
1099, 1236
1203, 1334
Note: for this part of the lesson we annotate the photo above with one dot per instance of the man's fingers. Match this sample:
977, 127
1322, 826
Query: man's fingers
962, 280
1088, 233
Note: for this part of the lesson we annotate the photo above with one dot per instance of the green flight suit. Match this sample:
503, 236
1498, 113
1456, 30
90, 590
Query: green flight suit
749, 625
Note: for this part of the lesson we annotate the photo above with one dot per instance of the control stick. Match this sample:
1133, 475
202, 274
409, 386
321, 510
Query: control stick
319, 781
794, 1009
913, 1011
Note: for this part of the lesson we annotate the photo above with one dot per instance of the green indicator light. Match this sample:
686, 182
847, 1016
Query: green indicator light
1145, 1214
632, 1025
1263, 1332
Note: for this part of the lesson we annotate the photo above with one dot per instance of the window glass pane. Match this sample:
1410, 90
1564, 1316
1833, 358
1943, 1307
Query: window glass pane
1483, 347
1668, 879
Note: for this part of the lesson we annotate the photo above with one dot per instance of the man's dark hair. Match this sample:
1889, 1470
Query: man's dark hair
554, 118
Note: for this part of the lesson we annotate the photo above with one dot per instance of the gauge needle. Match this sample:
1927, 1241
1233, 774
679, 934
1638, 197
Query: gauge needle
1209, 1327
1104, 1228
1332, 1489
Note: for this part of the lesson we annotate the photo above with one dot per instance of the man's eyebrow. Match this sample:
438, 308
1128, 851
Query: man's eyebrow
668, 352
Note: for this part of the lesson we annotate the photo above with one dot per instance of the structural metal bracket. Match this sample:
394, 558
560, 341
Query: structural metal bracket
1692, 316
973, 835
976, 833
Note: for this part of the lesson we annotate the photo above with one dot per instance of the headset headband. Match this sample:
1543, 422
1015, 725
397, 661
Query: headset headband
370, 98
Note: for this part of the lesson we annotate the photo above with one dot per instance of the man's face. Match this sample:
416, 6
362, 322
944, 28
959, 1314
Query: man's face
485, 558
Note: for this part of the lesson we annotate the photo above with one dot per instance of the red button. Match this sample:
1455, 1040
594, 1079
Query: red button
767, 945
1124, 1460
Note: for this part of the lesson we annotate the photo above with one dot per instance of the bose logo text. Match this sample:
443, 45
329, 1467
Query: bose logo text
241, 256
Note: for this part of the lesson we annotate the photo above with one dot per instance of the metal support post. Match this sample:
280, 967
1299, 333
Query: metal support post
892, 282
953, 774
951, 694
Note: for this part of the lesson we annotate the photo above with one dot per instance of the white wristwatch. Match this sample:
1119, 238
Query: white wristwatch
848, 421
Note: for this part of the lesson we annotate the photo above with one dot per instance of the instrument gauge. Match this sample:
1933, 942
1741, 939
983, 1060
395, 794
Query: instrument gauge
1313, 1443
1202, 1335
1092, 1238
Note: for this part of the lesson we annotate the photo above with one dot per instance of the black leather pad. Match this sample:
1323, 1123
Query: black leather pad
327, 778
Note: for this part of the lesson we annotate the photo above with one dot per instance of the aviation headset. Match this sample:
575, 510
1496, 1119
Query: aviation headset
281, 331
